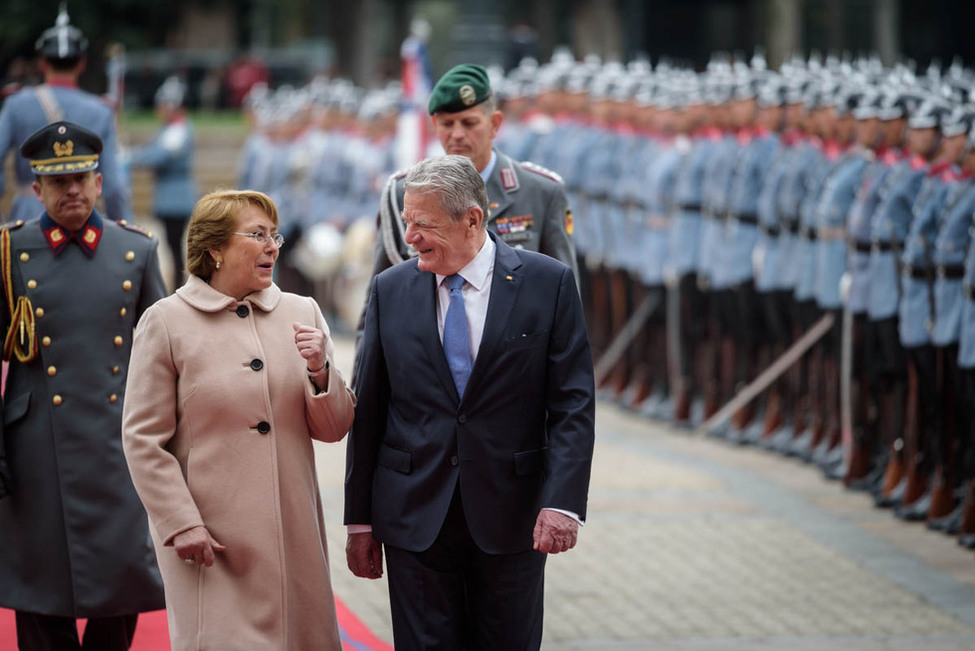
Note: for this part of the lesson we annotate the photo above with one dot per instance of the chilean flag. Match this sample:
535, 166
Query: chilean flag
413, 125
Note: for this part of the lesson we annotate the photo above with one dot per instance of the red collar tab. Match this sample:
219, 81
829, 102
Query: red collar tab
87, 238
918, 162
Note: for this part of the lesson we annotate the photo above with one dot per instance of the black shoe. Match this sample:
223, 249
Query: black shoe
801, 446
895, 497
833, 463
967, 540
916, 511
951, 523
869, 481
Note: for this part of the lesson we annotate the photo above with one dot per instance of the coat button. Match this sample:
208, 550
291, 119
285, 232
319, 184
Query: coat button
263, 427
130, 256
52, 371
56, 400
462, 418
453, 461
46, 341
123, 312
257, 364
113, 398
25, 256
127, 285
118, 340
31, 284
39, 312
243, 311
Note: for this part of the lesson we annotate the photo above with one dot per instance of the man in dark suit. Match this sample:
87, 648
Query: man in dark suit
470, 455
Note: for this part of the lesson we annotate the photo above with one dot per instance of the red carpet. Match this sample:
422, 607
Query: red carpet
152, 635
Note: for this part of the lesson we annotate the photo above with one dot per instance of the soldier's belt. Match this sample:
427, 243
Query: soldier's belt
968, 291
691, 207
808, 233
884, 246
772, 230
832, 233
748, 219
790, 226
860, 247
950, 271
918, 273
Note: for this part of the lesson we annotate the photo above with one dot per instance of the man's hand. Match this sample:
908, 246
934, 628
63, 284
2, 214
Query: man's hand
196, 546
555, 532
364, 555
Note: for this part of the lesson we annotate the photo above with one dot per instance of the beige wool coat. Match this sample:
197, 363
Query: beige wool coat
217, 427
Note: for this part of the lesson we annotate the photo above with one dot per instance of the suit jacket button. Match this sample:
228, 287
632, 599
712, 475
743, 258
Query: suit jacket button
263, 427
243, 311
257, 364
453, 461
24, 257
462, 419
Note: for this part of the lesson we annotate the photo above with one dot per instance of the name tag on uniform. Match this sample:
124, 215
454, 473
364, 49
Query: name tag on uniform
515, 229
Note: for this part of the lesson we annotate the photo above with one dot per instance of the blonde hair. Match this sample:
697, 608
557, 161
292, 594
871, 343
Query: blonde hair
214, 222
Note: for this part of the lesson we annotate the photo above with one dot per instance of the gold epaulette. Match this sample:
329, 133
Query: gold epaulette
134, 228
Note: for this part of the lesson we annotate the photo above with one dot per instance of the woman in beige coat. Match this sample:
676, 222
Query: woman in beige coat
229, 382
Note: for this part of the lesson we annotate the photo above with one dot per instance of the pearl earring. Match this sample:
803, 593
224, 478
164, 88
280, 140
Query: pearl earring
218, 264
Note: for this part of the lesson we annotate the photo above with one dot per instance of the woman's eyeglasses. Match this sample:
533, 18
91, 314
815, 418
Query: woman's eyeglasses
264, 238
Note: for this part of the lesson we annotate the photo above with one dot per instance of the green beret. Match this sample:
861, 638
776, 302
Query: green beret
460, 88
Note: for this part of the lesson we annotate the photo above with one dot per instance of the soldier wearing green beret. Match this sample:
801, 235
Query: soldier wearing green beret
528, 208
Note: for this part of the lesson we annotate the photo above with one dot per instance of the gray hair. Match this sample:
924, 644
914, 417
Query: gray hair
455, 179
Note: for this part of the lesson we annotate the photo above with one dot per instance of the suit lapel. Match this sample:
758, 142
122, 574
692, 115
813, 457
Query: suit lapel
502, 182
505, 283
423, 306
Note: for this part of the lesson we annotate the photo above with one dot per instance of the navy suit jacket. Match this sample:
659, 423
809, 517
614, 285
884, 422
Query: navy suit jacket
521, 438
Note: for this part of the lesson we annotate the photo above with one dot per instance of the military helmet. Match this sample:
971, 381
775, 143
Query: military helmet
63, 41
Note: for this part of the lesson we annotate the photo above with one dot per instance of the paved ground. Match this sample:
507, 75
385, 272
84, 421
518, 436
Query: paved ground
693, 544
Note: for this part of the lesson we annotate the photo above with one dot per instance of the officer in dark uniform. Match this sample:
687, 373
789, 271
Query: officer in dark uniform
527, 203
62, 50
73, 535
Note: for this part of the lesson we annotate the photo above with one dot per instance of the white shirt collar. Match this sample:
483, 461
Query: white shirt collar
489, 168
477, 271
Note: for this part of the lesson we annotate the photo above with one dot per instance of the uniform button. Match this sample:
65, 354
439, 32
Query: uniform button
257, 364
56, 400
25, 256
52, 371
263, 427
127, 285
113, 398
243, 311
31, 284
130, 256
46, 341
122, 222
462, 418
453, 461
39, 312
123, 312
115, 370
118, 340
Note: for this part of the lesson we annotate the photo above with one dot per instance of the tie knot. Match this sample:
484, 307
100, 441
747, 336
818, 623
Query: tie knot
455, 281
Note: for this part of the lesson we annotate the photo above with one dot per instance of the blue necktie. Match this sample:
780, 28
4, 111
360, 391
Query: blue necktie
456, 344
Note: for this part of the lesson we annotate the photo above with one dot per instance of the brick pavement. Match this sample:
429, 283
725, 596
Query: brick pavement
693, 544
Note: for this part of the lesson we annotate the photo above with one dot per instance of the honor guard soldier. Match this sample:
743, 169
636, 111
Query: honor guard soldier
952, 242
73, 533
170, 156
527, 203
62, 59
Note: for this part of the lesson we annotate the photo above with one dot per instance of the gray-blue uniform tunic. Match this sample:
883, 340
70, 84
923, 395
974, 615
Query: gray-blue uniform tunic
950, 245
23, 114
74, 538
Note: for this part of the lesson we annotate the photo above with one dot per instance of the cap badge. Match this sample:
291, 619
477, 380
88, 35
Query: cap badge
467, 94
65, 149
